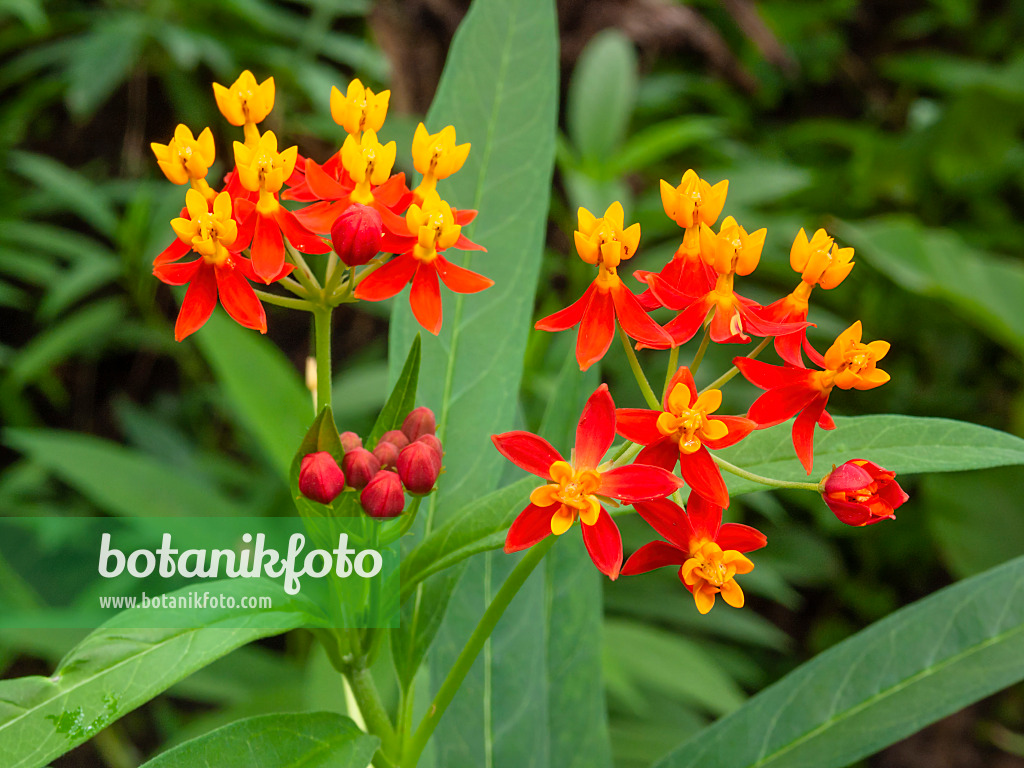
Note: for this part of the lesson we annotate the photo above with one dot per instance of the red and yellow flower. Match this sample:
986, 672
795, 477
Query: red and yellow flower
246, 103
436, 227
820, 262
575, 489
262, 169
862, 493
359, 109
848, 364
605, 242
709, 554
211, 232
186, 159
682, 432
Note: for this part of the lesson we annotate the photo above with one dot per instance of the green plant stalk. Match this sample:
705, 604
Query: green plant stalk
322, 334
731, 373
673, 364
698, 358
283, 301
638, 372
484, 628
769, 481
364, 690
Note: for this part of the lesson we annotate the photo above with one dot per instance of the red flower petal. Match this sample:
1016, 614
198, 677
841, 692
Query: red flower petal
738, 426
604, 543
803, 432
767, 376
668, 519
702, 475
596, 329
177, 274
384, 282
394, 194
172, 252
245, 216
664, 453
320, 217
322, 185
267, 249
596, 429
684, 377
463, 216
465, 244
685, 325
665, 293
532, 525
704, 516
640, 425
527, 451
638, 482
301, 238
566, 318
459, 279
740, 537
777, 405
653, 555
239, 300
425, 298
198, 304
635, 322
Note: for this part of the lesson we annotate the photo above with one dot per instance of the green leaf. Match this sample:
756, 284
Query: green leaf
261, 387
918, 665
119, 480
602, 94
402, 398
308, 740
938, 263
67, 188
499, 89
903, 444
102, 59
116, 669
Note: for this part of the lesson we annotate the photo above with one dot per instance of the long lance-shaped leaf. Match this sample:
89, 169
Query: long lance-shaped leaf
117, 668
883, 684
308, 740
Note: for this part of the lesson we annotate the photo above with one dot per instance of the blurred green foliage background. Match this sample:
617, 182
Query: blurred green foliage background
898, 126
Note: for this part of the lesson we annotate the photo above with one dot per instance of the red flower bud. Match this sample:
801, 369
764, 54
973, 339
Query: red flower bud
419, 466
396, 437
360, 466
356, 234
433, 442
861, 492
419, 422
386, 453
350, 441
383, 496
320, 477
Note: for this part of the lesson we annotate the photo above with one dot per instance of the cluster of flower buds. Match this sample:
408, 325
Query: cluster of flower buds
403, 460
243, 234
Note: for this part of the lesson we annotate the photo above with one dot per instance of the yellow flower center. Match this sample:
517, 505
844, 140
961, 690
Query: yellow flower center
574, 491
710, 571
688, 423
209, 233
434, 225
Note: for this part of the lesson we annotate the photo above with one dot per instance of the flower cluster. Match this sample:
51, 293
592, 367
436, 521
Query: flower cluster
403, 460
244, 234
683, 428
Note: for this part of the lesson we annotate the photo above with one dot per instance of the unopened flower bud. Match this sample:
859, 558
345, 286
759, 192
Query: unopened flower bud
396, 437
350, 441
320, 477
360, 466
861, 493
419, 422
433, 442
383, 496
419, 466
356, 234
386, 453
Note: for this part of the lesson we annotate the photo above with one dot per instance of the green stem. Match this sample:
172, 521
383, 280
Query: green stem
699, 357
288, 284
364, 690
303, 272
731, 373
322, 332
770, 481
516, 579
673, 364
627, 455
283, 301
638, 372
